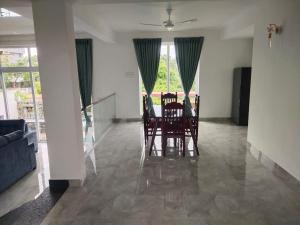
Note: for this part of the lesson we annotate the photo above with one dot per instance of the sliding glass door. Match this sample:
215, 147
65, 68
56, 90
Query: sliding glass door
39, 105
3, 114
168, 78
20, 88
19, 97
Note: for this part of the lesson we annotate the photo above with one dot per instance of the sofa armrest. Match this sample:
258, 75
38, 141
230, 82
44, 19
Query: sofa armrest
32, 139
31, 149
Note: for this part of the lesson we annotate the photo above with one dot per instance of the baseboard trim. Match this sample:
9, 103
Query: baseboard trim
126, 120
282, 174
216, 119
58, 185
202, 119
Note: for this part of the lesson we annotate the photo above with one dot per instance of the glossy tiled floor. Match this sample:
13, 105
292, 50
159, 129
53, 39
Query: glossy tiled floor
224, 186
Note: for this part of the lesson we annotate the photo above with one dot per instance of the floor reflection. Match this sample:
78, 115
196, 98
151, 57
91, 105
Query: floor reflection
29, 187
172, 151
224, 185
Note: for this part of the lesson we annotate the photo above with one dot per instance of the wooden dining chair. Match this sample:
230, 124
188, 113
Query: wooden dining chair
196, 117
173, 124
149, 122
192, 123
145, 119
168, 98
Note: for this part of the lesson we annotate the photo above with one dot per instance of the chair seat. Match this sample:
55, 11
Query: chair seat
173, 133
152, 122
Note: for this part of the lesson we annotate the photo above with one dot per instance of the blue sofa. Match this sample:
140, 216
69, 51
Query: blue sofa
18, 146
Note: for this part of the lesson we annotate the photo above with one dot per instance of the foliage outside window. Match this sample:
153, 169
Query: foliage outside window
18, 87
173, 78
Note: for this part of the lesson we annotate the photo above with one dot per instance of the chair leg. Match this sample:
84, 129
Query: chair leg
183, 146
197, 151
162, 142
145, 134
152, 140
196, 146
164, 146
175, 142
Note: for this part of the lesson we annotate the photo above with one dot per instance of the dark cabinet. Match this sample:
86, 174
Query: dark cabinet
241, 95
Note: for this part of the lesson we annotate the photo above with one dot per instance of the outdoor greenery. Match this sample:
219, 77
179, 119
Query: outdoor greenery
7, 61
19, 89
162, 78
21, 79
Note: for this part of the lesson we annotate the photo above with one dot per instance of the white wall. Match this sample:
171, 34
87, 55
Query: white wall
116, 70
218, 59
59, 79
274, 123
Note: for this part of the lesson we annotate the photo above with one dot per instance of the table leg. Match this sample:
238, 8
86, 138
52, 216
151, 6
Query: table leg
193, 136
153, 137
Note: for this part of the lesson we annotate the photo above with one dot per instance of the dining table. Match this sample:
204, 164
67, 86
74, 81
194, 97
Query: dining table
157, 118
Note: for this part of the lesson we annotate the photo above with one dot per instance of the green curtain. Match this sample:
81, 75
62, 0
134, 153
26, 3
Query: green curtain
84, 52
148, 55
188, 52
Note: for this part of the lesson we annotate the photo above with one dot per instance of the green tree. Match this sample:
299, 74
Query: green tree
162, 79
161, 82
11, 79
22, 78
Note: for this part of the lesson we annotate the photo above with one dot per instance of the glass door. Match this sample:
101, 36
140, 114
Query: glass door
168, 78
20, 88
3, 114
20, 97
39, 105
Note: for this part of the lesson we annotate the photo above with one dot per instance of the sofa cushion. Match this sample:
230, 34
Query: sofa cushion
14, 135
8, 126
3, 141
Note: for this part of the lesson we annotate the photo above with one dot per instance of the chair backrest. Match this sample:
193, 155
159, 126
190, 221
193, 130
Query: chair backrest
145, 107
173, 115
197, 105
168, 98
144, 103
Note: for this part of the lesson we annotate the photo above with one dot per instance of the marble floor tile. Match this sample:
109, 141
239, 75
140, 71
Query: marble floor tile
225, 185
30, 186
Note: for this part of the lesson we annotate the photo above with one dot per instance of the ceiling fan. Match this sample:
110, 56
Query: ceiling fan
169, 24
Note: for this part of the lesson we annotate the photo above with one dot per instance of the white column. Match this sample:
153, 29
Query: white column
55, 40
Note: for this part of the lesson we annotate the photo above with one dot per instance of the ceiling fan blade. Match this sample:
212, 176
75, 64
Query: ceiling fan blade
151, 24
187, 21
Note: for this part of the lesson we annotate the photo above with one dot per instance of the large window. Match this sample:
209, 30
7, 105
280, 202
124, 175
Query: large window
2, 103
168, 78
20, 88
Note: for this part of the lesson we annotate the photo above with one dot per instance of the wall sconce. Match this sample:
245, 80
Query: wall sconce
273, 28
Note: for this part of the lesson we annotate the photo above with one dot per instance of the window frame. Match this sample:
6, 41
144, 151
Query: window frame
197, 76
28, 69
168, 44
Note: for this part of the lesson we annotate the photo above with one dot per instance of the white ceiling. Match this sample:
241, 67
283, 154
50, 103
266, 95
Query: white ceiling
126, 15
